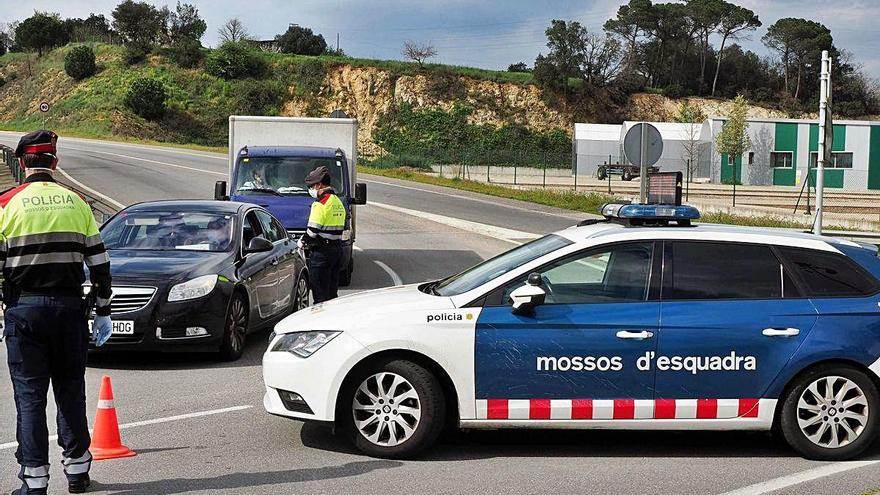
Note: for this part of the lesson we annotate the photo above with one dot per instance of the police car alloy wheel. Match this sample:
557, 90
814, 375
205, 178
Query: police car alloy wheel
395, 409
831, 414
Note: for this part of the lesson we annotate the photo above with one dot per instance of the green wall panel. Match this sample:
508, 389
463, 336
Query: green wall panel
833, 177
874, 158
727, 170
839, 143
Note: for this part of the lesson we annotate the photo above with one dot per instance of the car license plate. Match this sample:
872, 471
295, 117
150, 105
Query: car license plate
120, 327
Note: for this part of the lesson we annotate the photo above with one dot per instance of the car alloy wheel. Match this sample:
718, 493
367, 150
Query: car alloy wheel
236, 329
301, 297
386, 409
832, 412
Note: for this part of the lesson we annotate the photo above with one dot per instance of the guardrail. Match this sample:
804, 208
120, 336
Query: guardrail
12, 163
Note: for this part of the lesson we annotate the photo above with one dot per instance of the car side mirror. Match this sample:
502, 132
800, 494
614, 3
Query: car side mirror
220, 191
360, 194
259, 244
526, 298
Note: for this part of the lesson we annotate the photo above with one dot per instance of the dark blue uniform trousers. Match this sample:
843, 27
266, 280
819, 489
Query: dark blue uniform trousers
47, 341
325, 262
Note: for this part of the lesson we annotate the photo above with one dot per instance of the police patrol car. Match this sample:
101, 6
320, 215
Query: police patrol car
640, 321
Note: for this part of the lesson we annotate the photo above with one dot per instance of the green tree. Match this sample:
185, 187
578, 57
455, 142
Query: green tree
185, 23
40, 31
79, 63
93, 28
301, 41
139, 22
146, 97
704, 17
733, 140
633, 21
798, 42
518, 67
734, 21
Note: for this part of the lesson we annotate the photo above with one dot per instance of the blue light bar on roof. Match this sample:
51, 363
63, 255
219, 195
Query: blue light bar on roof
650, 212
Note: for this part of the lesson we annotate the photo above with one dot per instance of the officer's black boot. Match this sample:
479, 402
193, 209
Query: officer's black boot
78, 483
24, 490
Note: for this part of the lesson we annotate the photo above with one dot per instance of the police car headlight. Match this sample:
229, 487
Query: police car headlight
303, 344
191, 289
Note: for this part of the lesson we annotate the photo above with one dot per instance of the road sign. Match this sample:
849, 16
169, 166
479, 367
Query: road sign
44, 106
643, 146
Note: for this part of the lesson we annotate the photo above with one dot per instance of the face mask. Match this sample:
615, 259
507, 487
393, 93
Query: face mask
313, 192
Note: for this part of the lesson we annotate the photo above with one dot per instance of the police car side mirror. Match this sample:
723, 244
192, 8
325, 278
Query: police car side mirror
360, 194
258, 244
526, 298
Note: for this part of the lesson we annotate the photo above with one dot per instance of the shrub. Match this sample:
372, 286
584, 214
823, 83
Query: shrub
258, 97
79, 63
445, 84
146, 97
186, 52
309, 76
235, 60
135, 52
674, 91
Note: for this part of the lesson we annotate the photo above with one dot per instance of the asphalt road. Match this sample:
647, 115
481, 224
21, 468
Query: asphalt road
206, 431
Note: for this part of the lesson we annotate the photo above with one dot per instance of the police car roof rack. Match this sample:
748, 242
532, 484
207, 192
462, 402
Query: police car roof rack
650, 215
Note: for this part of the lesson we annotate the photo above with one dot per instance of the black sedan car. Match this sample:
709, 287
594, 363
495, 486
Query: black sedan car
199, 275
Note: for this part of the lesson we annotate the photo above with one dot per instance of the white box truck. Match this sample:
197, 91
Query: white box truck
269, 158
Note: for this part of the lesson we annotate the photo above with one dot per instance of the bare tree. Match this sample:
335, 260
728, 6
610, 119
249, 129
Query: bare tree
418, 53
233, 30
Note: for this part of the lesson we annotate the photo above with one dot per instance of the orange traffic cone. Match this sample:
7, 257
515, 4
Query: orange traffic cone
106, 442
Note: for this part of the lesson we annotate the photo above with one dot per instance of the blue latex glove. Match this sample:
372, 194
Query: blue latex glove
102, 328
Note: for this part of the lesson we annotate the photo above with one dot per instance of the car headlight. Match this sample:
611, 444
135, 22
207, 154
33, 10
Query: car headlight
191, 289
303, 344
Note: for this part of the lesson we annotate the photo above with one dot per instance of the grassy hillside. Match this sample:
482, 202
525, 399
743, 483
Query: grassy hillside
198, 103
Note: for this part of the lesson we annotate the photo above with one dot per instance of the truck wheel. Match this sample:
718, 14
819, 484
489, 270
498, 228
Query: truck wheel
393, 410
627, 175
345, 275
831, 414
601, 174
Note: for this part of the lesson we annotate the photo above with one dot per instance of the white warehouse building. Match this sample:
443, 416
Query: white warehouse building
780, 153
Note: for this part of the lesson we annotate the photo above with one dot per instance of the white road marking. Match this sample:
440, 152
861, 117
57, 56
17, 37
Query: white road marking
12, 445
802, 477
493, 231
90, 190
477, 200
145, 147
166, 164
395, 278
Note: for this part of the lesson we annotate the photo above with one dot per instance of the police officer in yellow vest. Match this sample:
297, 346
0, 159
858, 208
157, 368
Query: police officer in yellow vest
46, 234
323, 237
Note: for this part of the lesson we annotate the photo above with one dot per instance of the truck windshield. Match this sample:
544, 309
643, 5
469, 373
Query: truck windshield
497, 266
283, 175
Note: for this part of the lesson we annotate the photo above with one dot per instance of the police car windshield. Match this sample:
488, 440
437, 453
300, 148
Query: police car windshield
283, 175
169, 230
488, 270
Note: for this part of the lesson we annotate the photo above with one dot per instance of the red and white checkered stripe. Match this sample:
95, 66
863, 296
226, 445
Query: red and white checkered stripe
539, 409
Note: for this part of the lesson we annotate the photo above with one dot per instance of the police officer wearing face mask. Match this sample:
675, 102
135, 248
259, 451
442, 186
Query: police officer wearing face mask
46, 234
323, 237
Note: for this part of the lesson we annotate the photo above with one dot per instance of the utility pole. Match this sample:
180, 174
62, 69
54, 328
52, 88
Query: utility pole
337, 43
825, 137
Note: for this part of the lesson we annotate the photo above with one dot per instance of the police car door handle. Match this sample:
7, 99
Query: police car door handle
636, 335
781, 332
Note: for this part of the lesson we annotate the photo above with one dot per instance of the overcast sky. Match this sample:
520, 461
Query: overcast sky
470, 32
